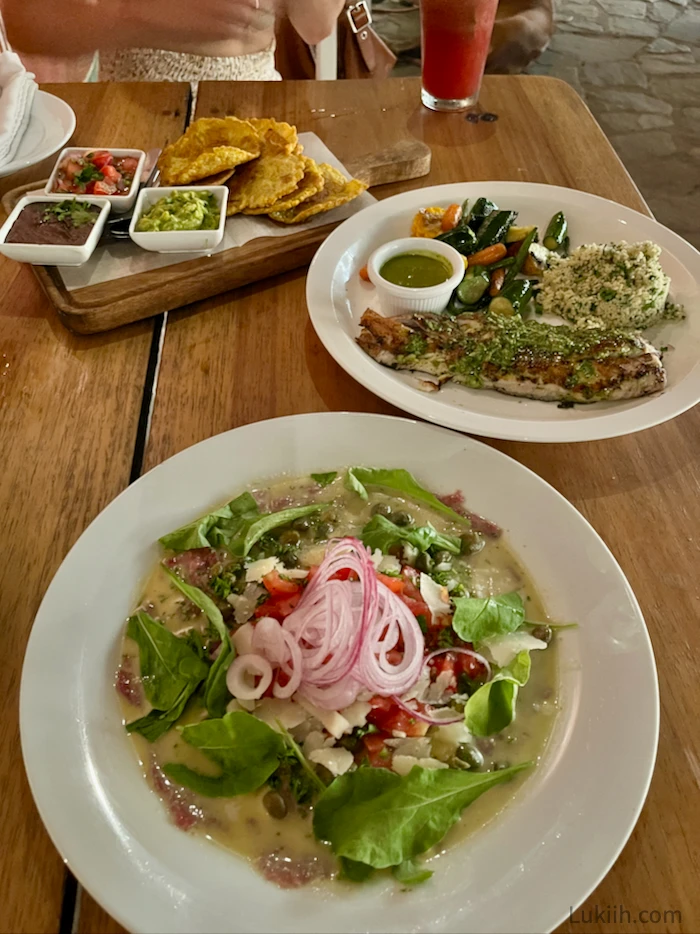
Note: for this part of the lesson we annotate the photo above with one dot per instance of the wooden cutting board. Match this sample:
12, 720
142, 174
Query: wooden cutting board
108, 305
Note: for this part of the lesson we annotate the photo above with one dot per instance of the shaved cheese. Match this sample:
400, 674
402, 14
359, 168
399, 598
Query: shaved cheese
356, 714
336, 760
376, 557
402, 765
244, 604
447, 738
274, 710
334, 722
243, 639
234, 706
315, 740
258, 569
435, 596
419, 747
389, 565
503, 649
437, 692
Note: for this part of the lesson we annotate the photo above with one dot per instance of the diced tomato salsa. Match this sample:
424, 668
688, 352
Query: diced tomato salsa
96, 173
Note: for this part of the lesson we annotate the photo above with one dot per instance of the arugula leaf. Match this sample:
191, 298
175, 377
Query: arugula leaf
409, 873
382, 533
272, 520
295, 750
478, 618
167, 663
401, 481
377, 817
491, 708
171, 671
247, 751
217, 528
354, 485
354, 871
324, 479
216, 693
157, 722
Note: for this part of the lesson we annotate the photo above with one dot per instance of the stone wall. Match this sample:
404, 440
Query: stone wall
637, 64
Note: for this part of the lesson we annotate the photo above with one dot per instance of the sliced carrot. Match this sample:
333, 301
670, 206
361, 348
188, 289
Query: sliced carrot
451, 217
530, 266
491, 254
497, 278
364, 274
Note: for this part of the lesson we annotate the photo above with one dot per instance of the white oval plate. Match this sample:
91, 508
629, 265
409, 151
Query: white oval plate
50, 126
524, 872
337, 298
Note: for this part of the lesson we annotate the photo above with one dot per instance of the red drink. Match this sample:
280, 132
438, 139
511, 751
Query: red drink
456, 35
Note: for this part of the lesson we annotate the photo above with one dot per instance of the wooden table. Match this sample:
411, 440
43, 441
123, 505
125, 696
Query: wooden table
74, 430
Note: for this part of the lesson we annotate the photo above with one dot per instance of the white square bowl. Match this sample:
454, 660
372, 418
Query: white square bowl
178, 241
120, 203
46, 254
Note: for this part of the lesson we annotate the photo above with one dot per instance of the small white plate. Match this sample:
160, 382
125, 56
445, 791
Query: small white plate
178, 241
337, 298
524, 872
51, 125
54, 254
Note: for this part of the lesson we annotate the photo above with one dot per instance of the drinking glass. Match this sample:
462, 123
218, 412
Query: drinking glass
455, 38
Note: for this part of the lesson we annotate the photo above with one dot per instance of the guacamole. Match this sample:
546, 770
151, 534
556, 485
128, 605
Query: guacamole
182, 210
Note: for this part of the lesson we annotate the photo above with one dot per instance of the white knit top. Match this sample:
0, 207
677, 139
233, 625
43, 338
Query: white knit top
161, 65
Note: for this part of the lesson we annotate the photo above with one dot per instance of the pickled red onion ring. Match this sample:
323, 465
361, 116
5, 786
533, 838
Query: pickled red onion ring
336, 642
241, 674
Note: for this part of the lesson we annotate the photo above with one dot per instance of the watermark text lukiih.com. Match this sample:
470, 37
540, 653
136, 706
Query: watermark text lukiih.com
618, 914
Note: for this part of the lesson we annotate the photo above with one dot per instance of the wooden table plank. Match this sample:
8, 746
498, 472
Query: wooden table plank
253, 355
69, 409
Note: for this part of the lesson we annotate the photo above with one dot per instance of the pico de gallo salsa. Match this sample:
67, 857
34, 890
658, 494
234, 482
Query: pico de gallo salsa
340, 639
96, 172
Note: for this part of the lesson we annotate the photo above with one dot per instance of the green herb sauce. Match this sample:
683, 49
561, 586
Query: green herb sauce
418, 270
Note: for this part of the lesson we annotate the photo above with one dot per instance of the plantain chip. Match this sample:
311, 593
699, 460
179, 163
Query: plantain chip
219, 179
336, 190
311, 184
278, 135
265, 180
209, 145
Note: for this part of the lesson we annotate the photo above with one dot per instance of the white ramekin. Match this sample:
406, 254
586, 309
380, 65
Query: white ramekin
53, 254
178, 241
120, 203
399, 299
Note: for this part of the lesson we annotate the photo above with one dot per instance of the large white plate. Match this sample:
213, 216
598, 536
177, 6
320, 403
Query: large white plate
524, 872
337, 298
51, 125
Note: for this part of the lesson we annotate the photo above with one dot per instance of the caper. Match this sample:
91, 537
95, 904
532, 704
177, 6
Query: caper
424, 562
472, 543
396, 549
291, 560
275, 805
443, 557
302, 525
543, 633
381, 509
290, 537
404, 519
470, 755
323, 531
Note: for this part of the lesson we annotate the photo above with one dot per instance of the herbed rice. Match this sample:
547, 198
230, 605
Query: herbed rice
612, 284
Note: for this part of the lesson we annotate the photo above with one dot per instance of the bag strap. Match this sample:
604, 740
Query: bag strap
359, 16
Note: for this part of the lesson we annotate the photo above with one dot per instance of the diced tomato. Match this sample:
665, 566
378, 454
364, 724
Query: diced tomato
277, 608
277, 586
105, 187
71, 167
109, 171
100, 158
395, 584
457, 663
344, 574
388, 716
378, 753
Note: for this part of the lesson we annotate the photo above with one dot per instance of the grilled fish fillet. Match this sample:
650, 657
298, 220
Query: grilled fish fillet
521, 358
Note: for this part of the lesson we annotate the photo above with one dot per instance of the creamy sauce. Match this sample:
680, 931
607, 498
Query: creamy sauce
242, 824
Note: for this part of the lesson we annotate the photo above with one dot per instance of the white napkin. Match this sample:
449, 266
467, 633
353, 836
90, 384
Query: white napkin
17, 90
